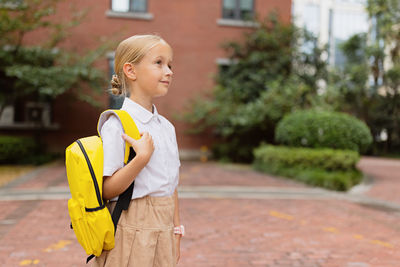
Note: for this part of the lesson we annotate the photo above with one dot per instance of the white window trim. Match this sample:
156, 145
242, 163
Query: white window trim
129, 15
225, 61
7, 120
238, 23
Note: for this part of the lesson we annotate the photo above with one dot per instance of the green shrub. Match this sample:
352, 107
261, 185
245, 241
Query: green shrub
16, 149
328, 168
323, 129
325, 158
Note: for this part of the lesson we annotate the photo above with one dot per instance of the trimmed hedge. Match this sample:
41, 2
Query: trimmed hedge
323, 129
328, 168
16, 149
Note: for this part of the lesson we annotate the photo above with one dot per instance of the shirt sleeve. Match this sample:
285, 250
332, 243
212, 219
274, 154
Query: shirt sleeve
176, 146
176, 180
113, 146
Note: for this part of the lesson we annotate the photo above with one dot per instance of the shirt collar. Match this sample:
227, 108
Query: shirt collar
138, 111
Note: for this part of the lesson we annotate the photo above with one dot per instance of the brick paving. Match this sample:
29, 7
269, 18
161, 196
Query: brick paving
53, 176
226, 231
388, 185
288, 233
217, 174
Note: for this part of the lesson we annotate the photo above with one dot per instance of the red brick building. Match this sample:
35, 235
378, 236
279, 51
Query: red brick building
194, 28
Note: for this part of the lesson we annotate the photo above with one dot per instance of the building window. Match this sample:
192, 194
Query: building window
238, 9
360, 2
311, 24
342, 25
224, 65
15, 4
137, 6
312, 18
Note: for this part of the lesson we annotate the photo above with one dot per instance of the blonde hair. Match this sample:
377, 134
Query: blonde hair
131, 50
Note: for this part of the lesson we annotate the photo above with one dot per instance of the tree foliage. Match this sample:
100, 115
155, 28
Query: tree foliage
369, 84
270, 75
42, 71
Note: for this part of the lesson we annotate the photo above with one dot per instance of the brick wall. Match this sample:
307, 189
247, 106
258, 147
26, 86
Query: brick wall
189, 26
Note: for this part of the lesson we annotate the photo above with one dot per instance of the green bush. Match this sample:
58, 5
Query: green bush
16, 149
328, 168
323, 129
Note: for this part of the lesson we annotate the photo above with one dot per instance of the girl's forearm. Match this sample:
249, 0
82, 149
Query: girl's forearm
176, 214
117, 183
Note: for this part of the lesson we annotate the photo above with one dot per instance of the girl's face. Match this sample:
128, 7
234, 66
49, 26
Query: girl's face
153, 72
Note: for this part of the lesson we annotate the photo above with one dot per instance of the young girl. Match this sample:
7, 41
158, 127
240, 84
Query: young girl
149, 232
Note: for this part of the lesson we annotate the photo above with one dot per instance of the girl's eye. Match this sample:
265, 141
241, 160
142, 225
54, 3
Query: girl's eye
170, 67
158, 62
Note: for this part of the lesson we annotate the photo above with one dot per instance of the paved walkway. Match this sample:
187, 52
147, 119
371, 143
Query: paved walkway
233, 215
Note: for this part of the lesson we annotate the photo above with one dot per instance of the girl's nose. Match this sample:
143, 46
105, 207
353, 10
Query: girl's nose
168, 71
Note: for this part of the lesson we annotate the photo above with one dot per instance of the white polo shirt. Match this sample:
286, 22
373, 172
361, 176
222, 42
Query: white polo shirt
160, 176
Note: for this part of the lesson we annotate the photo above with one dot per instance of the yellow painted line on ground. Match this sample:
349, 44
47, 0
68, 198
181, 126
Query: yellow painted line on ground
8, 173
381, 243
358, 237
28, 262
25, 262
281, 215
331, 229
61, 244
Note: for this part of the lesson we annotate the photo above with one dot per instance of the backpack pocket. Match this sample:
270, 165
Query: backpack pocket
94, 230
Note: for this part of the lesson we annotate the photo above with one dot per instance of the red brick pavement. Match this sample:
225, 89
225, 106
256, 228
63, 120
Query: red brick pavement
225, 232
53, 176
213, 173
288, 233
385, 174
221, 232
191, 173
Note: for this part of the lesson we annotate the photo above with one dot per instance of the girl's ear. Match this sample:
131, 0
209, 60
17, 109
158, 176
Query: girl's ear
129, 71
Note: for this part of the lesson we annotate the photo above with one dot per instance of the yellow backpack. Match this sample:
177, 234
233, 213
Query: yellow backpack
91, 221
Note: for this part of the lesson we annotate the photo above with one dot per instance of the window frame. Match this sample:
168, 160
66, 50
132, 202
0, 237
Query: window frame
130, 9
237, 11
130, 14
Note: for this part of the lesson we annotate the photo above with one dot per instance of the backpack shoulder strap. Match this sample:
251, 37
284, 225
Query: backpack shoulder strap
127, 122
130, 129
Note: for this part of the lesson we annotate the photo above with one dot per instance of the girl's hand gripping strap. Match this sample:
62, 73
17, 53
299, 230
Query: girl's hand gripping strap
130, 129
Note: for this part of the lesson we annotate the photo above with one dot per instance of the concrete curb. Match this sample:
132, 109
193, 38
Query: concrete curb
220, 192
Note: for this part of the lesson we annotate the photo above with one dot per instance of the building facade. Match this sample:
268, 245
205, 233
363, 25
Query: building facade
195, 30
332, 21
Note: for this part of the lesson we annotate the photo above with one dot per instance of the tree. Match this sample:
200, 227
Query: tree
385, 67
271, 75
369, 84
43, 71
